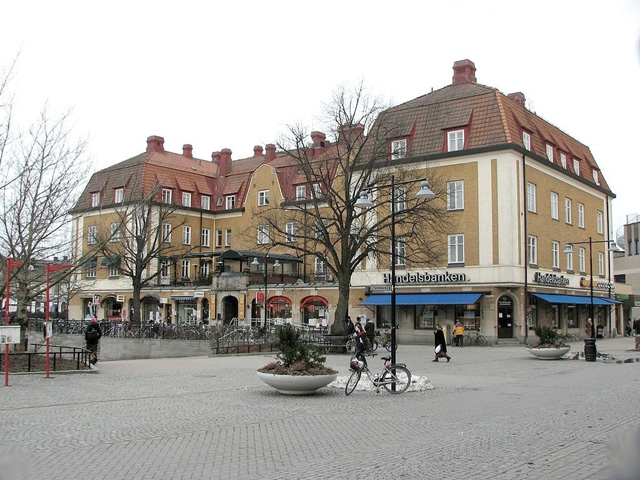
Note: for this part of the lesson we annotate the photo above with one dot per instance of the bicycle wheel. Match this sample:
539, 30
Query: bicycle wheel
467, 340
398, 376
482, 341
351, 346
374, 345
352, 382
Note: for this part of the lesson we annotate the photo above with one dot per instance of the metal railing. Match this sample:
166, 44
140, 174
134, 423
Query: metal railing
60, 358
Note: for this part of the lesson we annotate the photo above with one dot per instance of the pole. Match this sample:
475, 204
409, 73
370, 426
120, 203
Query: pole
266, 262
46, 320
393, 271
6, 314
591, 308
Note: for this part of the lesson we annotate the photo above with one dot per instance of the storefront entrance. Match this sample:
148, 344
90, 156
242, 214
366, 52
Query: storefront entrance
505, 317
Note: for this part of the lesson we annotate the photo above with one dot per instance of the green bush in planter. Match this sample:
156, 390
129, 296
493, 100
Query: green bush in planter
548, 337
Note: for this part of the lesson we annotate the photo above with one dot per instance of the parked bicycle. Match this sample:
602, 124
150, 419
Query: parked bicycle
395, 378
479, 339
351, 345
384, 340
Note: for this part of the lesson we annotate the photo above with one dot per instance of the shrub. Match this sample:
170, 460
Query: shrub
548, 337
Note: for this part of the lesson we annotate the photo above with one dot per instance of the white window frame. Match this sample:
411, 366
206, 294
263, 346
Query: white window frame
227, 237
531, 197
581, 215
569, 262
92, 234
400, 200
185, 269
600, 222
206, 237
455, 248
401, 252
320, 267
596, 177
576, 166
186, 199
263, 235
118, 195
563, 160
398, 148
95, 199
316, 190
114, 271
582, 260
186, 235
526, 140
554, 199
567, 211
555, 254
263, 198
166, 232
291, 232
321, 228
165, 269
205, 202
600, 264
218, 238
549, 150
455, 195
167, 195
532, 250
114, 232
230, 202
301, 192
90, 270
204, 270
455, 140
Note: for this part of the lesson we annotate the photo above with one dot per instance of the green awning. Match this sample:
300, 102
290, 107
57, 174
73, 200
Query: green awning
112, 260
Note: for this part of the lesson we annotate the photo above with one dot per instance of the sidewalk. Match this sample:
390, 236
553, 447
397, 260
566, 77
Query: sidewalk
495, 413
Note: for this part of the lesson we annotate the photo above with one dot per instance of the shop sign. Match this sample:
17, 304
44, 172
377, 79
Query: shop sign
445, 277
198, 294
120, 298
599, 285
550, 279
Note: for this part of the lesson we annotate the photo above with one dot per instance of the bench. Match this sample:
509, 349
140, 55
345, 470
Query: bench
333, 342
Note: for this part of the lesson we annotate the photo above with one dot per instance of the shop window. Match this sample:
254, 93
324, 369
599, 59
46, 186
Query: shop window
425, 316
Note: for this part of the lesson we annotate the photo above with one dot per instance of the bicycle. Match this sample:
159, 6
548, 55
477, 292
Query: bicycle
351, 345
384, 340
479, 339
394, 378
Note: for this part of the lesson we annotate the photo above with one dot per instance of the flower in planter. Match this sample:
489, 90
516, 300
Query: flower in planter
296, 357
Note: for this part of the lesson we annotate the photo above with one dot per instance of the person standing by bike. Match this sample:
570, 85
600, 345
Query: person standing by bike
440, 342
370, 329
458, 330
350, 327
360, 337
92, 336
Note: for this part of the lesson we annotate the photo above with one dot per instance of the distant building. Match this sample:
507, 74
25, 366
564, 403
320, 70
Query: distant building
627, 266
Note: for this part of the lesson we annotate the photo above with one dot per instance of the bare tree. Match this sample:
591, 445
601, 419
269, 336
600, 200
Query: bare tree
330, 227
138, 238
45, 166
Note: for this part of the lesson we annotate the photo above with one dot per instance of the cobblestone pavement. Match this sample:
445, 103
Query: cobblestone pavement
495, 413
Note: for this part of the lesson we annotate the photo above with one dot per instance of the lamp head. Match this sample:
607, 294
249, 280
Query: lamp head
363, 201
255, 261
425, 191
568, 248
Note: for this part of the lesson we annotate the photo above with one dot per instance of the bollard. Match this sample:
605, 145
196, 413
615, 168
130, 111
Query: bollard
590, 349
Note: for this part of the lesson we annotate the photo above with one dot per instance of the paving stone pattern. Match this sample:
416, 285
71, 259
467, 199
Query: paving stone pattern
495, 413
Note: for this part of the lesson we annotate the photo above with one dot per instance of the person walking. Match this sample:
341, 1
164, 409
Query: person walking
92, 336
458, 330
440, 342
589, 330
360, 337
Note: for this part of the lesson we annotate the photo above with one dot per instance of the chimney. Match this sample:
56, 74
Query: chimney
187, 150
318, 145
257, 151
271, 152
464, 71
225, 162
351, 132
155, 144
517, 97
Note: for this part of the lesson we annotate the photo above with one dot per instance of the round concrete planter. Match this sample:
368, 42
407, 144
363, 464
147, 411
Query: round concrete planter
549, 353
296, 384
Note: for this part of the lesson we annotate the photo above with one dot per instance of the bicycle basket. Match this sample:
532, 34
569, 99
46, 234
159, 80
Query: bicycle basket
356, 364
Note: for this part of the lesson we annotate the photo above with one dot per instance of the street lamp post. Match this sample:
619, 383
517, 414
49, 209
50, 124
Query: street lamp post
364, 202
590, 343
266, 263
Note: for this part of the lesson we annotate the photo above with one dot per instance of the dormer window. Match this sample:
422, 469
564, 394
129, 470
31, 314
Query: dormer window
186, 199
576, 166
118, 195
563, 160
550, 152
455, 140
166, 195
317, 190
231, 201
526, 140
301, 192
205, 202
398, 149
95, 199
596, 178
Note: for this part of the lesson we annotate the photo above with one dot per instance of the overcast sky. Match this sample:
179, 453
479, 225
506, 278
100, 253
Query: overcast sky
234, 74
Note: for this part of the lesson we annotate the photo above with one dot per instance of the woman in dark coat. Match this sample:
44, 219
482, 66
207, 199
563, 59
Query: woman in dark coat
92, 336
442, 343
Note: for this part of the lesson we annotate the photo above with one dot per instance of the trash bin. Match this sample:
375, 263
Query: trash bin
599, 330
590, 349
